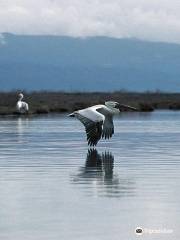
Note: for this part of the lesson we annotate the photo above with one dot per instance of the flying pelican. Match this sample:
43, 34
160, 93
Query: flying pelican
22, 107
98, 120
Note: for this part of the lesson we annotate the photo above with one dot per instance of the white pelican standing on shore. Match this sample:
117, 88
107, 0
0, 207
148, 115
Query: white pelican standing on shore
98, 120
22, 107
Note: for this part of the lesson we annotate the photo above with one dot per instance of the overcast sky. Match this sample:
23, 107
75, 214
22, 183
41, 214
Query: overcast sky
157, 20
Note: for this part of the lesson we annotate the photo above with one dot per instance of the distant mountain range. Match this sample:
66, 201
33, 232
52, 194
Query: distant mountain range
90, 64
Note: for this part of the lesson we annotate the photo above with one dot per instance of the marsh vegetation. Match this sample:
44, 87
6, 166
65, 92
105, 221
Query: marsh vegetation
58, 102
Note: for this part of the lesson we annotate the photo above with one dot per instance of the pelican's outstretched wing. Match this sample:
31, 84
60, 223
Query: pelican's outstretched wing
93, 160
93, 129
108, 126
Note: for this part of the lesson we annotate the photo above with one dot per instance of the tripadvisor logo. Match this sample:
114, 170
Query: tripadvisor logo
139, 231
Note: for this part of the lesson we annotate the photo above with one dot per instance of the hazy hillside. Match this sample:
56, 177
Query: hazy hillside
99, 63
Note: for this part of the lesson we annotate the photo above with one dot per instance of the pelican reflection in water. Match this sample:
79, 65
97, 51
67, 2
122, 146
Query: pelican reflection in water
98, 175
22, 124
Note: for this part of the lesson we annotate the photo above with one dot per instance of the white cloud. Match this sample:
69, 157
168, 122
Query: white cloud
157, 20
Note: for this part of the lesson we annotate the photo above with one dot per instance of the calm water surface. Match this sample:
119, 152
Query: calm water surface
53, 187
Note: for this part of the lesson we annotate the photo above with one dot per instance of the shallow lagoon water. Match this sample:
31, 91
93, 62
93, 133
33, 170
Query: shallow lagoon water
52, 186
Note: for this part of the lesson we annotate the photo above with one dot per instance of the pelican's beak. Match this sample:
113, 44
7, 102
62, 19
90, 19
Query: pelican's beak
126, 107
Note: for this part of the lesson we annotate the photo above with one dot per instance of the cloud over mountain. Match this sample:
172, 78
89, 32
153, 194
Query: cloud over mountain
156, 20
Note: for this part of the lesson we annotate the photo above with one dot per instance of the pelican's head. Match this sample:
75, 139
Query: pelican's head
20, 96
117, 107
114, 106
111, 104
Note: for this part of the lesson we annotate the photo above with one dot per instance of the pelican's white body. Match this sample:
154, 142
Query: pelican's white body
92, 113
22, 107
98, 121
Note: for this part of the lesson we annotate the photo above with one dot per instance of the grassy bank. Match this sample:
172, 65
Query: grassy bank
59, 102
